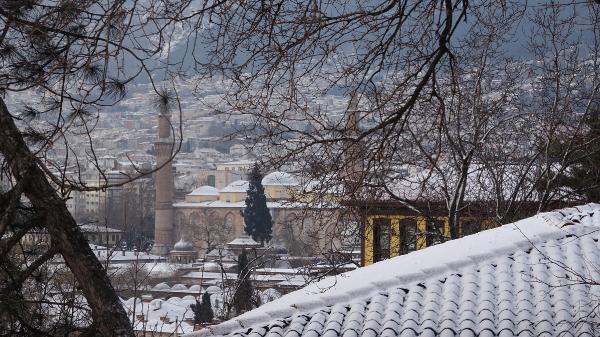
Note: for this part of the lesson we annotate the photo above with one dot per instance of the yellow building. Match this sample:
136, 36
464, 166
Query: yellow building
391, 229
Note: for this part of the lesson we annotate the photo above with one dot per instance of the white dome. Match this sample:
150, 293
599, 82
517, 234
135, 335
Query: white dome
280, 178
174, 300
195, 288
183, 246
244, 240
179, 287
205, 190
156, 304
237, 187
161, 286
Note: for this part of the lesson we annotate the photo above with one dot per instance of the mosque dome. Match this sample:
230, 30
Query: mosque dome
280, 179
237, 187
205, 190
195, 288
161, 287
183, 246
179, 287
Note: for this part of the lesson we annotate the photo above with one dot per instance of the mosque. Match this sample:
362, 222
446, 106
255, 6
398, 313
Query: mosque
209, 216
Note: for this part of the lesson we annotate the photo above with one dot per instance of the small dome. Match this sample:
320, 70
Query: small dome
205, 190
179, 287
195, 288
183, 246
174, 300
237, 187
161, 286
156, 304
244, 240
280, 179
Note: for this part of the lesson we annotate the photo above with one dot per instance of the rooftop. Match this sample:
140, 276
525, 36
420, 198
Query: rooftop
528, 278
205, 190
280, 179
240, 204
238, 186
95, 228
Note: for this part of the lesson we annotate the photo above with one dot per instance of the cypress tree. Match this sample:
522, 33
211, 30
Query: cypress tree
257, 218
207, 312
203, 312
242, 300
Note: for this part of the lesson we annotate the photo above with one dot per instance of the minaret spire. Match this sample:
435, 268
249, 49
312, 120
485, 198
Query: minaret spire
163, 221
353, 152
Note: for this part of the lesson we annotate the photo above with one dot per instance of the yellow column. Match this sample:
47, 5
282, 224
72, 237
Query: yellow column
395, 236
368, 239
446, 227
422, 231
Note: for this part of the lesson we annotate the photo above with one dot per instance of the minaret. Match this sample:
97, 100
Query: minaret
353, 151
163, 208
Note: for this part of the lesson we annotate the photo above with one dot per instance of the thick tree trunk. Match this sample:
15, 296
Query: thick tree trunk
110, 319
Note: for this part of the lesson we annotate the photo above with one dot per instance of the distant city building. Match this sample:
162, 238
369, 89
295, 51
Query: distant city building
102, 235
225, 173
95, 234
207, 209
211, 214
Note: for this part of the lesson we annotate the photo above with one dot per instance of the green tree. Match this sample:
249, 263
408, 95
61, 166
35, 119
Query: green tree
242, 299
579, 160
203, 312
258, 222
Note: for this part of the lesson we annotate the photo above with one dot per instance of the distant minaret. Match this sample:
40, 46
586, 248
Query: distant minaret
353, 156
163, 220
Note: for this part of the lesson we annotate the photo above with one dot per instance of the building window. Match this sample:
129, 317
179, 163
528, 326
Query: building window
408, 236
381, 239
210, 180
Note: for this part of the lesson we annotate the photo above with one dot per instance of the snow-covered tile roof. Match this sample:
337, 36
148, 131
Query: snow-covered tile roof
116, 256
534, 277
95, 228
175, 309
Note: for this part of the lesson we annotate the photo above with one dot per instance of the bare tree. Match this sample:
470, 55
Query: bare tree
432, 85
209, 228
61, 63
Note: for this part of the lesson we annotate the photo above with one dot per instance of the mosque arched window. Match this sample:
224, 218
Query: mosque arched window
211, 180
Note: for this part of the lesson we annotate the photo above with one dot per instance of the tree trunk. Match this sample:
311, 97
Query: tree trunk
109, 317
